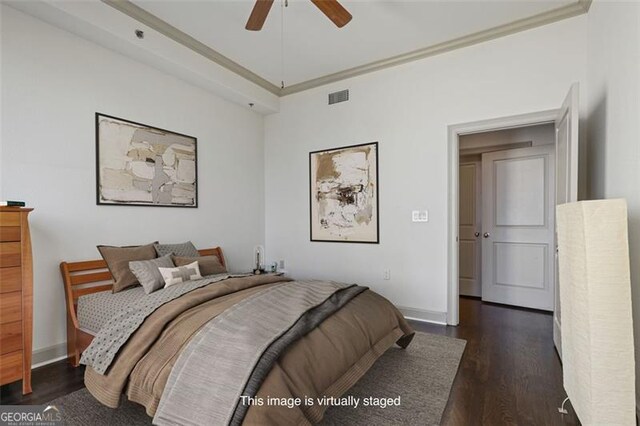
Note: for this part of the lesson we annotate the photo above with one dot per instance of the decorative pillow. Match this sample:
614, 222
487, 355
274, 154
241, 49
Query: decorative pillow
209, 265
148, 274
118, 259
180, 274
183, 249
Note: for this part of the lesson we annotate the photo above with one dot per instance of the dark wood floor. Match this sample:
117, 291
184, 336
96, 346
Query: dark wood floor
510, 373
48, 382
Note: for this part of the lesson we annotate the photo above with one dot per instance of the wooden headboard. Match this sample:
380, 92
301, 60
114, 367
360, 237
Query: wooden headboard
92, 276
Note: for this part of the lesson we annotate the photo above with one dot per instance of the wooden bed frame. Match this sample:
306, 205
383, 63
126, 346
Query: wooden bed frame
92, 276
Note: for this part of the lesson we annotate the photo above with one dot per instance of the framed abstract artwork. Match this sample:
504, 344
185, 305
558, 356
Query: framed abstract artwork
140, 165
344, 194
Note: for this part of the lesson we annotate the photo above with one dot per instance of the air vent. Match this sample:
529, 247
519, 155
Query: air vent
341, 96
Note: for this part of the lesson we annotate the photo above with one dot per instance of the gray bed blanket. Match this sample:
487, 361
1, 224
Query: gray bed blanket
310, 320
210, 375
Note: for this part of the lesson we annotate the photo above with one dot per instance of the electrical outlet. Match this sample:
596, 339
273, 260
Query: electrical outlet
420, 216
281, 264
386, 274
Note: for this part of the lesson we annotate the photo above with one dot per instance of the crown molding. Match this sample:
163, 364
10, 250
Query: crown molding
152, 21
574, 9
128, 8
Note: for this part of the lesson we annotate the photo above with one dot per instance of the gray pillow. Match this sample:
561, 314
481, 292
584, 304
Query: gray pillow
183, 249
148, 274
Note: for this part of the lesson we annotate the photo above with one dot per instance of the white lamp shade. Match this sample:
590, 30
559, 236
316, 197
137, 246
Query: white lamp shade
595, 298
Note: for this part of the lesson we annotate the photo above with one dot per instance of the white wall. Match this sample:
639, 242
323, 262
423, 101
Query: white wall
1, 83
614, 122
52, 84
407, 109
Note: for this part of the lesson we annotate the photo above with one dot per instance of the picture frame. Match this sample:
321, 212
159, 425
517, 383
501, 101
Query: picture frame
344, 194
142, 165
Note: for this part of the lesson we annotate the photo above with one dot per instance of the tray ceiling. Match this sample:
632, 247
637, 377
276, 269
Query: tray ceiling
314, 47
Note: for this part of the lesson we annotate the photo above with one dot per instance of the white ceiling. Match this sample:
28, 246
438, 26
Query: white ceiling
314, 47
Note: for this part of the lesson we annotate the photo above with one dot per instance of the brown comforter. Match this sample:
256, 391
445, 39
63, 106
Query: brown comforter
326, 362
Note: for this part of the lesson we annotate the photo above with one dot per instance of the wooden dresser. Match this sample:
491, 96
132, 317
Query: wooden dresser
16, 297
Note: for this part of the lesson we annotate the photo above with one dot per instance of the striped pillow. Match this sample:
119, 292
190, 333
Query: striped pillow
148, 274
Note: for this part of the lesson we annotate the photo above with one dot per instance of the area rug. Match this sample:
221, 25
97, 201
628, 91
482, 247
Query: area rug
418, 379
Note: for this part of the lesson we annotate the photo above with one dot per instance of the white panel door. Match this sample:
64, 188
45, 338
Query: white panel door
566, 180
470, 214
518, 199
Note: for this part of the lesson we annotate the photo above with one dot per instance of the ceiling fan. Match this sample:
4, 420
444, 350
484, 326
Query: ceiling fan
334, 11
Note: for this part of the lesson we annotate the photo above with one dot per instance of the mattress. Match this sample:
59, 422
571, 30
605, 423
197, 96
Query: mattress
94, 310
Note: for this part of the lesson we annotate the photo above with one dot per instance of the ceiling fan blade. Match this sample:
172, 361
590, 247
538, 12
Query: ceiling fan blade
259, 15
334, 11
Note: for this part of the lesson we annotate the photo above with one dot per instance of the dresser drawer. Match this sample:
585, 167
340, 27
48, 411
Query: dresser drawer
10, 307
9, 219
10, 337
10, 367
10, 254
10, 279
9, 233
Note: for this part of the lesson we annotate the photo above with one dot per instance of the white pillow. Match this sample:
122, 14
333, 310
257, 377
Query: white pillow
180, 274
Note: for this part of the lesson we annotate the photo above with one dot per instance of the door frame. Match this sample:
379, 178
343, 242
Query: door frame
453, 145
477, 190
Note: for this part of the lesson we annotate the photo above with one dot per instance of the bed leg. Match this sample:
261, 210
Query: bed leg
72, 349
74, 360
72, 354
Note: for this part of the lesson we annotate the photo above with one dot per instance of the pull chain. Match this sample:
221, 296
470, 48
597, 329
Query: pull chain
285, 3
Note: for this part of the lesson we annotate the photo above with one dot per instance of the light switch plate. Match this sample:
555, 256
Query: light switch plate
420, 216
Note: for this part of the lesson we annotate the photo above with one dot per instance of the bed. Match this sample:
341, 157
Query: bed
90, 277
284, 339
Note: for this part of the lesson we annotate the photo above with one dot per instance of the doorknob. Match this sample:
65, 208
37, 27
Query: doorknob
486, 235
477, 234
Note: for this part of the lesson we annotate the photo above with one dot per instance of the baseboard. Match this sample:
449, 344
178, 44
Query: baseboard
424, 315
48, 355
